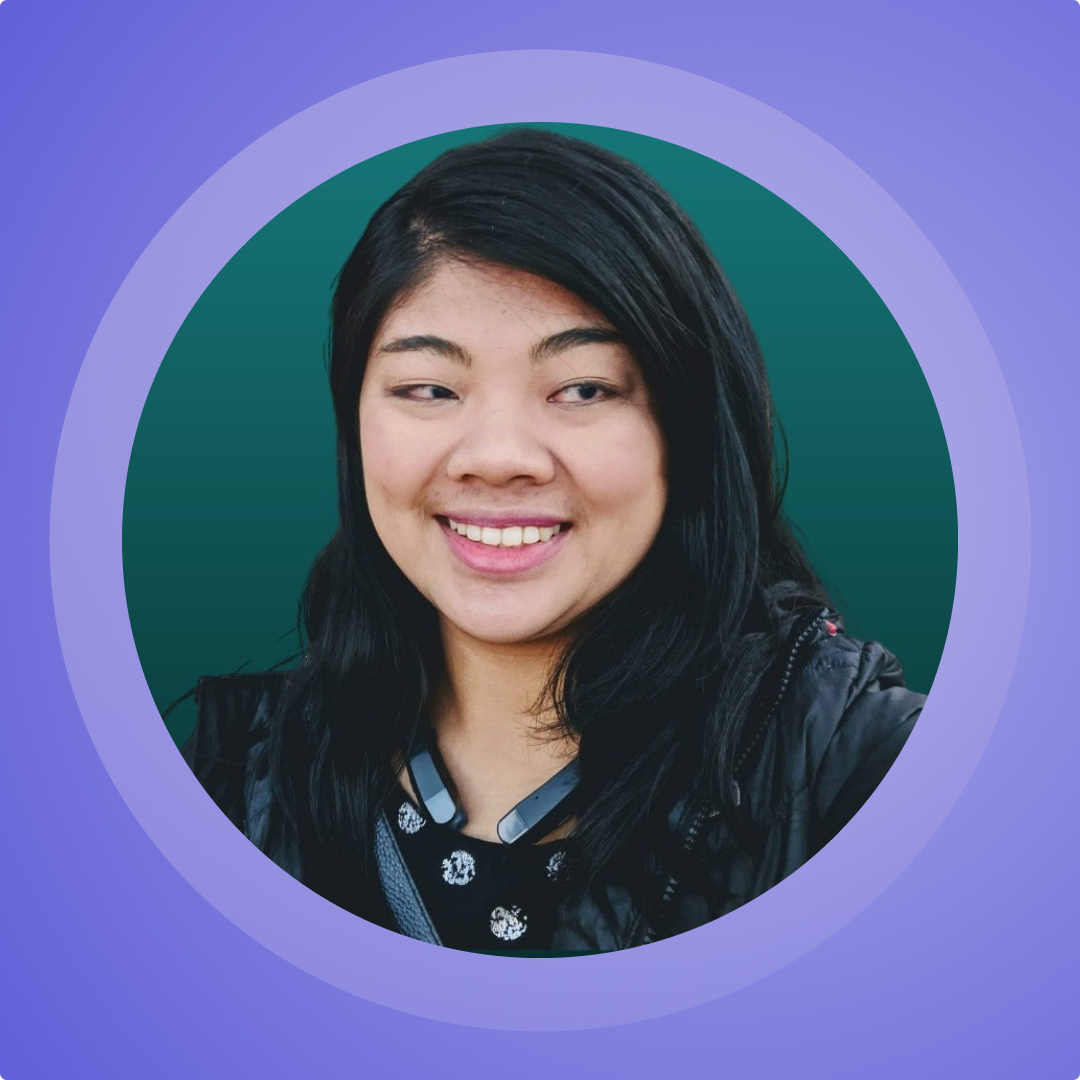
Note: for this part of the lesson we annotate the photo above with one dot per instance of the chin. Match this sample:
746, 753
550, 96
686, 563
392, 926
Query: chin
497, 629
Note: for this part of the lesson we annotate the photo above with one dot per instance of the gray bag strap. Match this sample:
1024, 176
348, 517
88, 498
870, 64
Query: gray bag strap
400, 889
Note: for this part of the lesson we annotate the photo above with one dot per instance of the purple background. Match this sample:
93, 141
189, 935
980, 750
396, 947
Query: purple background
114, 114
87, 512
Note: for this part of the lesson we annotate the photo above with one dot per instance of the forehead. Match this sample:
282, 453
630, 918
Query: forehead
469, 300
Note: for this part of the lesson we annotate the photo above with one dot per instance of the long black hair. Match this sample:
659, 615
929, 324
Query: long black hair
662, 677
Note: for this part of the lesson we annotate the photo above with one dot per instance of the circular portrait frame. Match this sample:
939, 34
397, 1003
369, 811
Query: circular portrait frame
232, 482
87, 514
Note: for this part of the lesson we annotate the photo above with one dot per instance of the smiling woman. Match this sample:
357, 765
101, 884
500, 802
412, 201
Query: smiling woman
568, 681
497, 400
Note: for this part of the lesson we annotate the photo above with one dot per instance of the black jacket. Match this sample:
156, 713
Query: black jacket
840, 716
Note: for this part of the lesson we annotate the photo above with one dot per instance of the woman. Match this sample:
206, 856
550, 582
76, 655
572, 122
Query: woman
569, 682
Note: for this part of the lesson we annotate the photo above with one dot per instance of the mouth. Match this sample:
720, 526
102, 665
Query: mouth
515, 535
504, 545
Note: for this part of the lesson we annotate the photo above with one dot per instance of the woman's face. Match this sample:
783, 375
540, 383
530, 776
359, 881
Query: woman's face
514, 466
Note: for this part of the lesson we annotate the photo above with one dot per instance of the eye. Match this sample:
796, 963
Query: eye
583, 393
423, 392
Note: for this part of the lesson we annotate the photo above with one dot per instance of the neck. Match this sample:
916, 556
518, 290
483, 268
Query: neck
490, 692
496, 745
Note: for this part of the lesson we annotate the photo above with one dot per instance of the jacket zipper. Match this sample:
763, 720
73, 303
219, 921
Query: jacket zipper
702, 814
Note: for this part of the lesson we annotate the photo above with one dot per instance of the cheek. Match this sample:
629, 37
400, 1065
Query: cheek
624, 479
395, 463
628, 463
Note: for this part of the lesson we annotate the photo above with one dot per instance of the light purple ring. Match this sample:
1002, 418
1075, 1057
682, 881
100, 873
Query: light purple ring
514, 87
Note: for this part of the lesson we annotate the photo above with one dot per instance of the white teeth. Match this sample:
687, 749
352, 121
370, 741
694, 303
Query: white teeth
512, 536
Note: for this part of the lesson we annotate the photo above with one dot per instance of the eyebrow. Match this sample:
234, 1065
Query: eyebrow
428, 343
552, 345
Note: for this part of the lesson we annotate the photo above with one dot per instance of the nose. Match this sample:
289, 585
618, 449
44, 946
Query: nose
499, 447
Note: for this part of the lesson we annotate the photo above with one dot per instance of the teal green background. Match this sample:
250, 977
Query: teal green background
231, 488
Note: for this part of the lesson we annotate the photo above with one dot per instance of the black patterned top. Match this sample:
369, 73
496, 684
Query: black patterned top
481, 896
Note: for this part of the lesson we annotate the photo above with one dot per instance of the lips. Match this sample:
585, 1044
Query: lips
504, 544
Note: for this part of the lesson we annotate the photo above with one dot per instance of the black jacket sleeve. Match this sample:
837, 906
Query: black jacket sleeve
230, 725
866, 719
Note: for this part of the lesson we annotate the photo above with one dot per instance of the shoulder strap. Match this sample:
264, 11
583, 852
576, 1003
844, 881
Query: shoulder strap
402, 896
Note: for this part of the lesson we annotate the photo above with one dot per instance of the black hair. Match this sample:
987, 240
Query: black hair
663, 676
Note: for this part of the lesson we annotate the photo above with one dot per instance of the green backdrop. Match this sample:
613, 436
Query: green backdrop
231, 486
